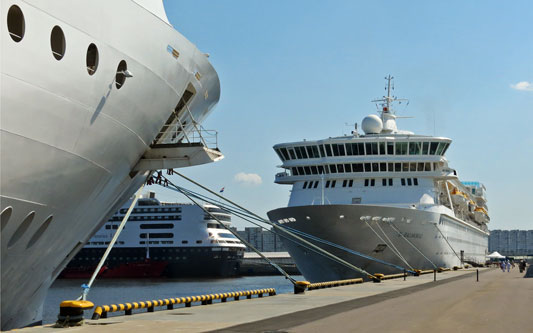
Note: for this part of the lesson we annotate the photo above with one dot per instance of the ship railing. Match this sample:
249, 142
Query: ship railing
177, 133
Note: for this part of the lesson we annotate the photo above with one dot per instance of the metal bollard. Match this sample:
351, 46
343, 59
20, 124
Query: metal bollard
434, 275
404, 274
477, 275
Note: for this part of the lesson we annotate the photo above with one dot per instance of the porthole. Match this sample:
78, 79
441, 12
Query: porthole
15, 23
92, 59
37, 235
57, 42
120, 78
5, 216
21, 230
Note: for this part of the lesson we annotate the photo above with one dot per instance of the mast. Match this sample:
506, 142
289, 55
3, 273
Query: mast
388, 116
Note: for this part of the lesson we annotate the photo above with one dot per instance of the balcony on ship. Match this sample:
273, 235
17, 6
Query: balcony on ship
194, 147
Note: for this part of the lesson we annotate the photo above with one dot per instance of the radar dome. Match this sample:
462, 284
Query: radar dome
372, 124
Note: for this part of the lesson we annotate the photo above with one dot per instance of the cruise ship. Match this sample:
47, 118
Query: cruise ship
95, 95
388, 195
162, 239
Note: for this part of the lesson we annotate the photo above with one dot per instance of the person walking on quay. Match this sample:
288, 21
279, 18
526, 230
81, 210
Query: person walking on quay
508, 264
522, 265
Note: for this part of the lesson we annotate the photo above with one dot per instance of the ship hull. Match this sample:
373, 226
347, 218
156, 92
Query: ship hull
169, 262
421, 232
70, 141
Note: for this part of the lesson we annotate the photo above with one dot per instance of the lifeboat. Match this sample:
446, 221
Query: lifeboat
481, 215
458, 197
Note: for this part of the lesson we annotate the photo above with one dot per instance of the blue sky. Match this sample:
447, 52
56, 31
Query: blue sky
291, 70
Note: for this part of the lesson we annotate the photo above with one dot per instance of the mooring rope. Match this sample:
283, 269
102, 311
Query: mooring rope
87, 287
408, 241
322, 251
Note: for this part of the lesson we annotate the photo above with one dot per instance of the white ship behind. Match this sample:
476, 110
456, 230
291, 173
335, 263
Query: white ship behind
388, 194
94, 96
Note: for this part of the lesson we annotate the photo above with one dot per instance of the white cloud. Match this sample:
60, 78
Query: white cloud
248, 178
524, 85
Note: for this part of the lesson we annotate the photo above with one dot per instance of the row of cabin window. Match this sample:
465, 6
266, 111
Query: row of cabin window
390, 182
220, 217
364, 167
363, 148
368, 182
16, 26
152, 210
148, 218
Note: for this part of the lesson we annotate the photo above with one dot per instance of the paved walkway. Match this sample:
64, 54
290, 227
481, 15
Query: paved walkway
456, 302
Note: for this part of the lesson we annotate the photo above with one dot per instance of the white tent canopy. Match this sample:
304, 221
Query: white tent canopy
495, 255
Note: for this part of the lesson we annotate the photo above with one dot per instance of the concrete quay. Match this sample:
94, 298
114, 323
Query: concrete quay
455, 302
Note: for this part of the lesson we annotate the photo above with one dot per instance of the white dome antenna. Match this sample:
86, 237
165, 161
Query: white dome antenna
372, 124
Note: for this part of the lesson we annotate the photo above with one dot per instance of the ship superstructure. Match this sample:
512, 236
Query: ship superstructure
387, 193
162, 239
95, 95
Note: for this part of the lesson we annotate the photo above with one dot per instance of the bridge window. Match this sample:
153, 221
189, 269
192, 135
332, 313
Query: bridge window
333, 183
415, 181
320, 169
316, 184
347, 167
351, 183
420, 167
445, 148
412, 167
344, 183
328, 150
307, 170
415, 148
314, 170
291, 153
441, 147
57, 42
384, 182
322, 153
15, 23
327, 183
405, 167
390, 182
383, 167
340, 168
433, 148
92, 59
390, 148
403, 181
333, 168
368, 167
409, 182
391, 167
372, 182
294, 171
279, 154
305, 185
371, 148
375, 167
301, 171
382, 150
366, 182
298, 152
427, 166
401, 148
284, 153
425, 148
